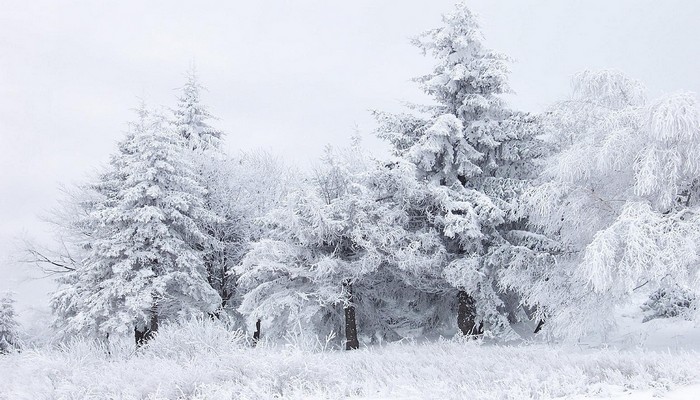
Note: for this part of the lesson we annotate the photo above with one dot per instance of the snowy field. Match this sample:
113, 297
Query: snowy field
204, 361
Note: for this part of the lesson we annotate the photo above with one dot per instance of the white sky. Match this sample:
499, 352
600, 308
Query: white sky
287, 76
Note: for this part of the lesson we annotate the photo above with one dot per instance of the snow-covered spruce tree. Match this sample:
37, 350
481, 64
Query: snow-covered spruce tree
78, 221
409, 296
620, 198
322, 245
143, 265
8, 324
476, 155
191, 117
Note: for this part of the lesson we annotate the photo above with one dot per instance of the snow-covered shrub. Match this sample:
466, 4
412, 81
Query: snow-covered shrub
668, 302
187, 339
9, 339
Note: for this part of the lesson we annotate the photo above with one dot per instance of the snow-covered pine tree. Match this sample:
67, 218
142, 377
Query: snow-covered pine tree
143, 265
621, 199
408, 296
78, 220
191, 116
476, 155
9, 339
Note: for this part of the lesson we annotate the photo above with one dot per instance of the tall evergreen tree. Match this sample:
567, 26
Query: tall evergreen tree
79, 222
477, 154
143, 265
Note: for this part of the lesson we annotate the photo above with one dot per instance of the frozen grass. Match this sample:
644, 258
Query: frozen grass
202, 360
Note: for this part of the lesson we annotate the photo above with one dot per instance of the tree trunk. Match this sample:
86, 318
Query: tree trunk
139, 336
530, 312
142, 336
351, 342
466, 315
539, 326
224, 293
256, 334
154, 326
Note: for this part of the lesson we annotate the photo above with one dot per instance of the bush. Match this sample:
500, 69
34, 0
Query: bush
668, 302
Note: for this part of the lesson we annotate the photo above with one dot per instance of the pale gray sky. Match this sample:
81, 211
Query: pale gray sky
288, 76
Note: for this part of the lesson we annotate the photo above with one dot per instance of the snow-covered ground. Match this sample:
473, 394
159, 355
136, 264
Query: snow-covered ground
204, 361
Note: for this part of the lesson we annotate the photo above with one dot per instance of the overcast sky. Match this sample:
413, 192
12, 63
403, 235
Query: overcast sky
287, 76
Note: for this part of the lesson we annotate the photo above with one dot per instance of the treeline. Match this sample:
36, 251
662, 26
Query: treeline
482, 218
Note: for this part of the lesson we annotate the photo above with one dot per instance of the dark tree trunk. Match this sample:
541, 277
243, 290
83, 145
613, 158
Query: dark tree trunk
530, 312
143, 335
154, 326
539, 326
139, 335
466, 315
351, 342
256, 334
225, 295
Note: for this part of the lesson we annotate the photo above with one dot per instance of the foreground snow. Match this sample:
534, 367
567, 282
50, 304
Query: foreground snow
681, 393
220, 365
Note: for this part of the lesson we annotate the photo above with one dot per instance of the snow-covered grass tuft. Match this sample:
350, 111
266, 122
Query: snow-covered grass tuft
203, 360
197, 338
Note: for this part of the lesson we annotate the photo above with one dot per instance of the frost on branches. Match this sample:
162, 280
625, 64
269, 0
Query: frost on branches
476, 156
621, 199
202, 145
242, 189
318, 246
221, 195
144, 265
9, 339
669, 302
330, 264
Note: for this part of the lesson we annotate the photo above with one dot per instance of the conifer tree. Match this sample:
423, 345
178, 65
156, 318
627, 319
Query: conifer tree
9, 339
144, 265
476, 155
79, 220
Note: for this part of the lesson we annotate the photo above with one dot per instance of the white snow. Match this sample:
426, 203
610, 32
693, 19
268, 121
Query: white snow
201, 360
